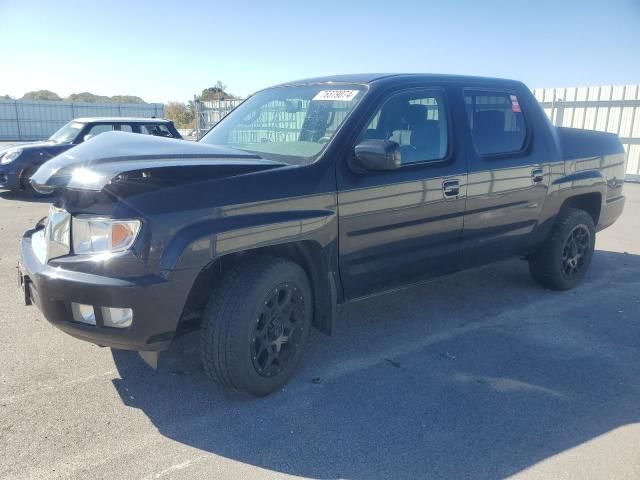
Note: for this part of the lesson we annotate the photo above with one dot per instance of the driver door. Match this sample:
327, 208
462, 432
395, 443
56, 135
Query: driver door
402, 226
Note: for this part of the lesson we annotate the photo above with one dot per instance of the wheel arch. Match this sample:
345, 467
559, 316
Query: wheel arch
589, 202
312, 257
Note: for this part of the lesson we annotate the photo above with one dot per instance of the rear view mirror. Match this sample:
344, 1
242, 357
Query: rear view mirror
376, 155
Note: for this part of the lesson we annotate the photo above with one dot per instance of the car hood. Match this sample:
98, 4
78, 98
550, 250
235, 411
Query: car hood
120, 158
25, 145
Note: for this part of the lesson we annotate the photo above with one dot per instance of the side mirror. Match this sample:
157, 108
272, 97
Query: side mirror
88, 136
376, 155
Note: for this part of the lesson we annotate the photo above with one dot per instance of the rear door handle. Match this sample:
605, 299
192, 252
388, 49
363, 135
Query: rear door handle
537, 175
451, 188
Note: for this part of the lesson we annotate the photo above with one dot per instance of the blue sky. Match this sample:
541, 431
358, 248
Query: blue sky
163, 50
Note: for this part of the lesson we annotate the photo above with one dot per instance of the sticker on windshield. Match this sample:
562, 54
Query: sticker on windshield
341, 95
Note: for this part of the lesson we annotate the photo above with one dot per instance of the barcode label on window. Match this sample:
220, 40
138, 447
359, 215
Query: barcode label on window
341, 95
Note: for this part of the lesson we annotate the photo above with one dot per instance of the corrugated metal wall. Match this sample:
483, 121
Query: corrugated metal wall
610, 108
36, 120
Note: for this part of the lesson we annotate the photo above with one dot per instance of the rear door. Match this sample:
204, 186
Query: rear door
508, 174
402, 226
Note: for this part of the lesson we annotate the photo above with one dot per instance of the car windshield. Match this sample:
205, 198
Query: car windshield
287, 124
68, 133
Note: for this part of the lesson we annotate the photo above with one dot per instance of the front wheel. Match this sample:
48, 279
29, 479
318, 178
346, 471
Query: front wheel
256, 325
565, 256
28, 188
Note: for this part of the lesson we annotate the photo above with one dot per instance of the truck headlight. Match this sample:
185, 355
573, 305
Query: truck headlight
103, 235
10, 156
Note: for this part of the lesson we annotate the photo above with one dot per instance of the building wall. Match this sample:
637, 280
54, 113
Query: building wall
36, 120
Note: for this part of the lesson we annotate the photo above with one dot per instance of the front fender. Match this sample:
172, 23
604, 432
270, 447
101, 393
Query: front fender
197, 245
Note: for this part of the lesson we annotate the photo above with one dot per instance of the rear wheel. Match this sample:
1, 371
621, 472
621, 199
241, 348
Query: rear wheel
565, 256
256, 325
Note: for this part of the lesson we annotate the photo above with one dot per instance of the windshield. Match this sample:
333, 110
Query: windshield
287, 124
68, 133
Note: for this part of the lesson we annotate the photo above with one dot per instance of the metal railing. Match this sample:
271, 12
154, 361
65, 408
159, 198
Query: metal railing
207, 114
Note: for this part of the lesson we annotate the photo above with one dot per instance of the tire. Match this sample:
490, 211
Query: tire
256, 325
28, 189
566, 254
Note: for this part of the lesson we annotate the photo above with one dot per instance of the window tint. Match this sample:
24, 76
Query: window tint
496, 120
158, 130
415, 120
124, 128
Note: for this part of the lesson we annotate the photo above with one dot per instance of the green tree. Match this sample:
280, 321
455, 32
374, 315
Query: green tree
181, 115
93, 98
217, 92
87, 97
41, 95
5, 97
126, 99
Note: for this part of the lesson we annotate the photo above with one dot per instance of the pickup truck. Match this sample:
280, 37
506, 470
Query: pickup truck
19, 161
306, 196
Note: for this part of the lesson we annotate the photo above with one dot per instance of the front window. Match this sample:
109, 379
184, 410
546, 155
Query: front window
68, 133
287, 124
416, 121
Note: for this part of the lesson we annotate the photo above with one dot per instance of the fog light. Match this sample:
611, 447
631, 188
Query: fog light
83, 313
117, 317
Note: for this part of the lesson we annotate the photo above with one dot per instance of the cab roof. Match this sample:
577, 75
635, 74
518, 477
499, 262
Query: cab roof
370, 78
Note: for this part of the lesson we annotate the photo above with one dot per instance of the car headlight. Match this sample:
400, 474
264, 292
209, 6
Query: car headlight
10, 156
103, 235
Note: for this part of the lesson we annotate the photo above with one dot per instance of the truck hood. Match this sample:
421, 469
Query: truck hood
114, 158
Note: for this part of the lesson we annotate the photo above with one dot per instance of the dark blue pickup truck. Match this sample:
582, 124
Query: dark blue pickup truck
309, 195
18, 162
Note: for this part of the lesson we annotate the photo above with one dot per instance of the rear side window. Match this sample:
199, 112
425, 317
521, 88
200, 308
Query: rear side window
158, 130
417, 121
496, 121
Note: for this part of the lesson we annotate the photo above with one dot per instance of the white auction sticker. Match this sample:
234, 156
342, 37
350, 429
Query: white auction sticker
341, 95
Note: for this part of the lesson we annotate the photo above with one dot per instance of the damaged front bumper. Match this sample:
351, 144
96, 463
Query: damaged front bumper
156, 301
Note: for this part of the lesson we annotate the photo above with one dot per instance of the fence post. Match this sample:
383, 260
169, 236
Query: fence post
559, 113
196, 106
15, 106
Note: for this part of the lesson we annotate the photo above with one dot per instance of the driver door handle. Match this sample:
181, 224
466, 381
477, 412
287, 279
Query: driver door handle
537, 175
451, 188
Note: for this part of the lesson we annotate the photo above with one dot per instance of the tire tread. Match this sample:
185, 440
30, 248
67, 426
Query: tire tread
224, 312
542, 265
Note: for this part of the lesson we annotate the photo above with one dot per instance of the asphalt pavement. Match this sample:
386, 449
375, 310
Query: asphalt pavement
482, 374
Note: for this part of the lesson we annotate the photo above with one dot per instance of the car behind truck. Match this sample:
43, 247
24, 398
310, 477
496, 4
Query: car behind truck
306, 196
18, 162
